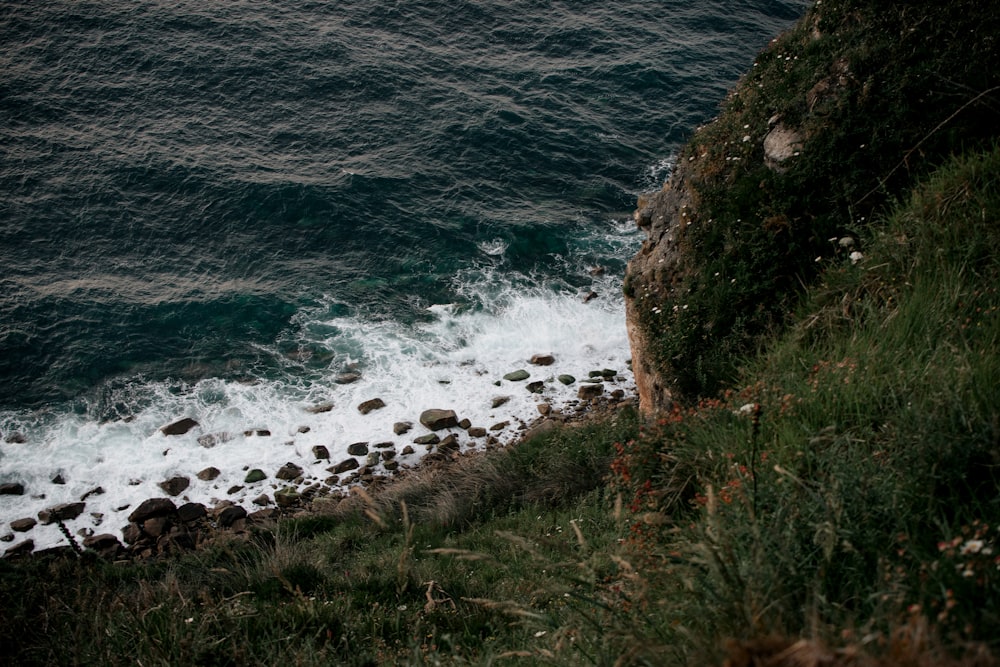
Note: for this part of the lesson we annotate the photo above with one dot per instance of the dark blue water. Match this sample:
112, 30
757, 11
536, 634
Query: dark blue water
180, 179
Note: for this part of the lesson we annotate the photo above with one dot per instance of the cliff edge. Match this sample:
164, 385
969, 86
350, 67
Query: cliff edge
835, 119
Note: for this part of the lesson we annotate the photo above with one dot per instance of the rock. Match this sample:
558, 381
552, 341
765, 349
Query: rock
23, 525
342, 467
589, 391
370, 405
15, 439
259, 432
234, 489
384, 445
11, 489
608, 373
175, 485
59, 479
152, 507
543, 359
263, 500
321, 452
189, 512
618, 394
358, 449
320, 408
20, 549
7, 537
289, 471
464, 424
477, 432
437, 419
535, 387
373, 459
399, 428
231, 515
288, 496
391, 465
449, 444
597, 271
179, 427
96, 491
208, 474
388, 454
428, 439
104, 544
254, 476
63, 512
517, 376
500, 426
406, 451
131, 533
590, 297
347, 378
210, 440
156, 526
566, 379
304, 429
781, 144
498, 401
544, 409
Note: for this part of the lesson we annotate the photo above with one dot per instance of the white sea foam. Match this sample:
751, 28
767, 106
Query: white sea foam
456, 360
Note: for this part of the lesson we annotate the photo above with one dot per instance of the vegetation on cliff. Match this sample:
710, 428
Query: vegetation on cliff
836, 504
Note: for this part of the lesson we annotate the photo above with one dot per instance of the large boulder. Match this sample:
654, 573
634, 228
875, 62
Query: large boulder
179, 427
63, 512
152, 507
11, 489
436, 419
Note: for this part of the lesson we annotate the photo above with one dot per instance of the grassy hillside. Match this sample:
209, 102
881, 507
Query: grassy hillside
837, 504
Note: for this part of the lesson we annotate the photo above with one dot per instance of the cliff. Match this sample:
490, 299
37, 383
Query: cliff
834, 120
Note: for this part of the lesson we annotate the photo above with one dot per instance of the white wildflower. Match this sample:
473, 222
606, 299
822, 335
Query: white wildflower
971, 547
856, 257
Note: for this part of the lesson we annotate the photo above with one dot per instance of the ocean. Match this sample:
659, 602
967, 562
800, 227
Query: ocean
224, 211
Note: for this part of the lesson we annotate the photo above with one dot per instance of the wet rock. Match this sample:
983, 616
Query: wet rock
15, 439
464, 424
131, 533
254, 476
179, 427
544, 409
370, 405
152, 507
289, 471
406, 451
566, 379
477, 432
618, 394
234, 489
63, 512
437, 419
347, 378
428, 439
320, 408
175, 485
96, 491
208, 474
373, 459
517, 376
23, 525
304, 429
391, 465
287, 496
20, 549
500, 426
11, 489
321, 452
258, 432
589, 391
536, 387
263, 500
358, 449
543, 359
189, 512
344, 466
498, 401
231, 515
59, 479
384, 445
590, 297
105, 544
597, 271
399, 428
449, 444
156, 526
210, 440
388, 454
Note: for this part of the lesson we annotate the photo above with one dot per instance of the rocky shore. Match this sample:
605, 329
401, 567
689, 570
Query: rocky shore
175, 522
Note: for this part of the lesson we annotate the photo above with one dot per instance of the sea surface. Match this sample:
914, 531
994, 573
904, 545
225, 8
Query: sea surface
219, 210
